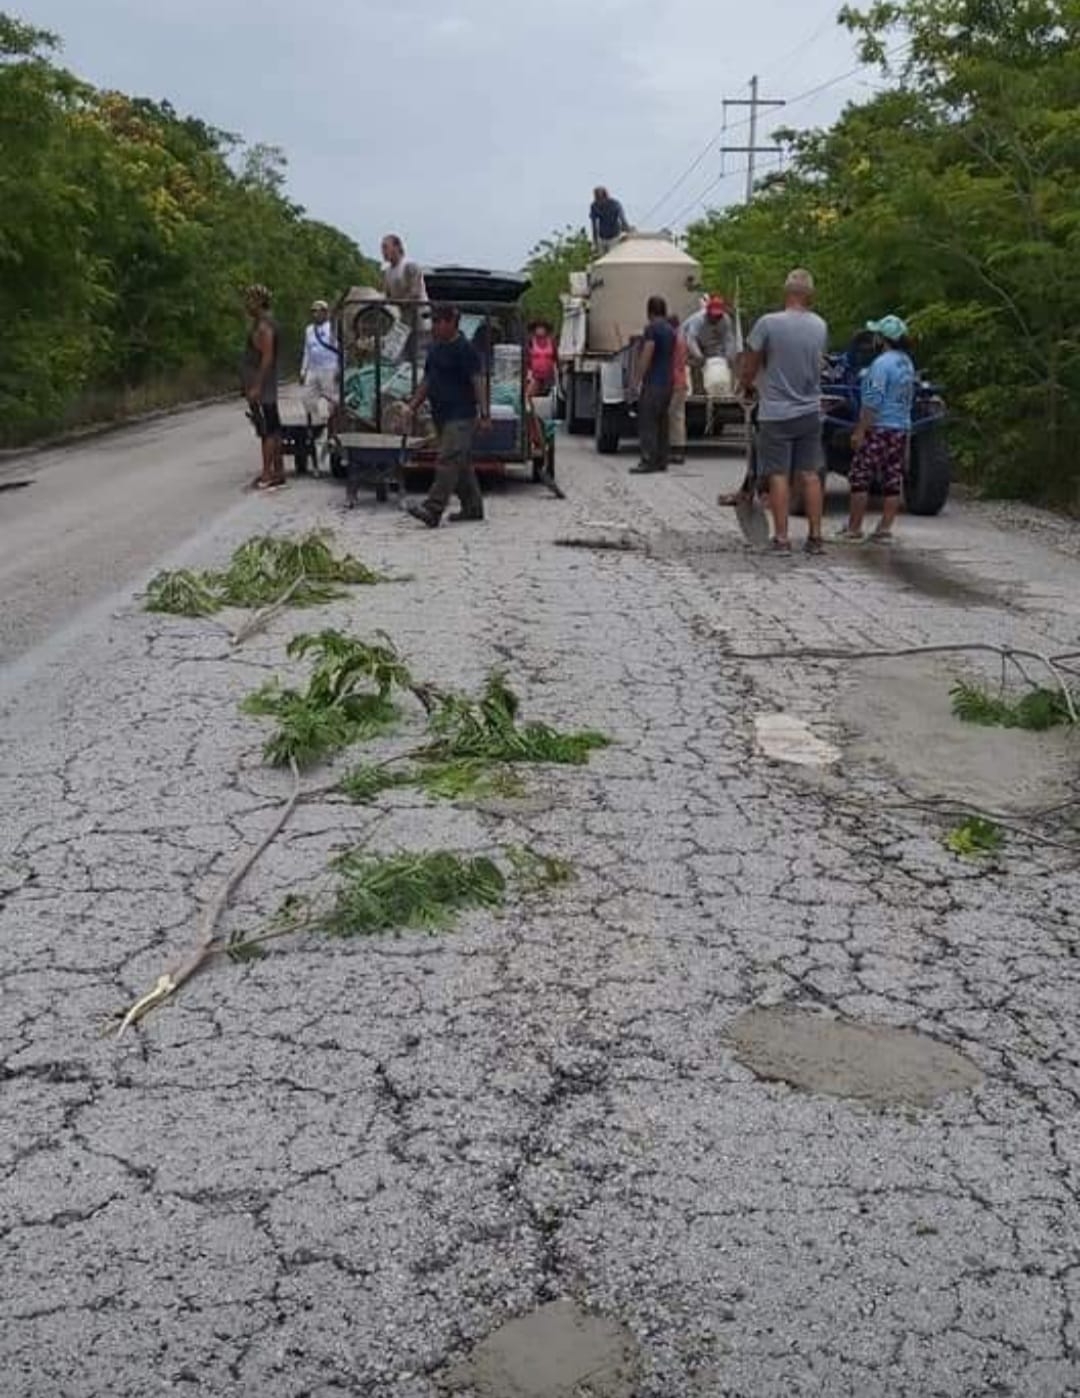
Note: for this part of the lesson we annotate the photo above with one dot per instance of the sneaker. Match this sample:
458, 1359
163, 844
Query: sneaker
467, 517
423, 514
643, 469
678, 460
781, 547
881, 536
847, 535
814, 546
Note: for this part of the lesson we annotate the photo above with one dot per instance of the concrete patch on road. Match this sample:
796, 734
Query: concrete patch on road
557, 1351
900, 713
785, 738
870, 1063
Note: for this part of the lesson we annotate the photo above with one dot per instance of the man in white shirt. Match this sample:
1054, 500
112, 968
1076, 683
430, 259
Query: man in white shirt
319, 365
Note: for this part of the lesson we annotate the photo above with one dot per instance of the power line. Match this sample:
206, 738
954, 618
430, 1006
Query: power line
793, 102
712, 143
756, 104
745, 122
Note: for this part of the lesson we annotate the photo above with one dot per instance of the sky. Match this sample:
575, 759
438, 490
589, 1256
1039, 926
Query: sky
474, 128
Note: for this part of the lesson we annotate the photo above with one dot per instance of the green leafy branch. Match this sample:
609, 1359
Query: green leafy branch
267, 571
1037, 711
348, 697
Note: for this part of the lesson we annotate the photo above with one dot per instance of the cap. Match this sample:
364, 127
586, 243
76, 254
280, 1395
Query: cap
319, 306
716, 306
889, 328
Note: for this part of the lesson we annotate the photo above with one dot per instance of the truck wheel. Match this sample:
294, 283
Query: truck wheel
576, 425
608, 429
930, 473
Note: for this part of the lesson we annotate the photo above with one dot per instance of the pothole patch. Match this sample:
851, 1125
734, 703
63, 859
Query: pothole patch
785, 738
557, 1351
870, 1063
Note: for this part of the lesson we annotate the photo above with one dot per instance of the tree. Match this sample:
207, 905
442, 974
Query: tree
549, 266
954, 199
126, 239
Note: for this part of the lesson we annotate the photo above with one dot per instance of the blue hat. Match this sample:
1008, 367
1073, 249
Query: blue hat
889, 328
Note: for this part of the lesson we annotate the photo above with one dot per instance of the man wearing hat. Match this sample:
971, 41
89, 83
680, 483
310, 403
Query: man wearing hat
710, 334
319, 365
882, 437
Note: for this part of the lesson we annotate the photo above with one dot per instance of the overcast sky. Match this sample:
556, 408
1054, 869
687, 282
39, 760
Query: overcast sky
473, 127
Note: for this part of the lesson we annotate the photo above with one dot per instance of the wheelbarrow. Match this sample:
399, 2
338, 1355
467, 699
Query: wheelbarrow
300, 440
374, 459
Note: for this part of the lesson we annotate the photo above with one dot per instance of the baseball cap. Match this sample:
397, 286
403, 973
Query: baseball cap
889, 327
319, 306
715, 306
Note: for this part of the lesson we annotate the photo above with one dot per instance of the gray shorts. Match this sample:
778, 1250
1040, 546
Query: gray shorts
790, 447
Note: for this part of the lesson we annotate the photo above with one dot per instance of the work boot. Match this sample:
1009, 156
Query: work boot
467, 517
423, 514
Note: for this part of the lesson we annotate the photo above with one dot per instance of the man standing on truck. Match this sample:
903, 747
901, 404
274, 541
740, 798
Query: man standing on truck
260, 377
607, 219
783, 361
403, 280
654, 377
455, 386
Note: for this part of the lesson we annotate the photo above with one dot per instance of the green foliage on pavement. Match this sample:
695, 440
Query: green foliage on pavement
347, 699
127, 235
487, 730
975, 838
265, 570
1036, 711
952, 198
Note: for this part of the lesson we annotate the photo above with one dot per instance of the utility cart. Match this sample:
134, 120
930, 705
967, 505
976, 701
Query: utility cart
383, 344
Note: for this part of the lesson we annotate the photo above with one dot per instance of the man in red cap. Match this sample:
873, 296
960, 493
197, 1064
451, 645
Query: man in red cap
710, 335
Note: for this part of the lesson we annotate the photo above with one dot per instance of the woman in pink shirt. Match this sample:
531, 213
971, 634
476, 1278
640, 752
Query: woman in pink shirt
680, 388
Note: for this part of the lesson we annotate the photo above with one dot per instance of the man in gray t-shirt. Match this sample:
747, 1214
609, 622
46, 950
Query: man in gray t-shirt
783, 364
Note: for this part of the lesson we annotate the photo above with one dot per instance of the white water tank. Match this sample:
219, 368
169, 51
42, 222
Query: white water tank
640, 265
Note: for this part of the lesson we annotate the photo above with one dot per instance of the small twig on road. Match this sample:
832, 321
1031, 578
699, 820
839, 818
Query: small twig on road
168, 984
263, 618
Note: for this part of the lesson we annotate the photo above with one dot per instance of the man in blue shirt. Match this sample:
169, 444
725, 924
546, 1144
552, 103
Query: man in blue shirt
607, 220
654, 381
882, 438
456, 387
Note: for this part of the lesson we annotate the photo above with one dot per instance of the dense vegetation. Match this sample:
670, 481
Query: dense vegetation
127, 233
952, 198
549, 266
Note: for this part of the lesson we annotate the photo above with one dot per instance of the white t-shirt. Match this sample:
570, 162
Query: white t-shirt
405, 282
320, 349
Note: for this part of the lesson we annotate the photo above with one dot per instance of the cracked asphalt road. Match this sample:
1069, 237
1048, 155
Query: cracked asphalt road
335, 1170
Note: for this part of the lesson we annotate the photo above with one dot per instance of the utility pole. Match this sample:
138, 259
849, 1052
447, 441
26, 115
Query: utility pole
755, 103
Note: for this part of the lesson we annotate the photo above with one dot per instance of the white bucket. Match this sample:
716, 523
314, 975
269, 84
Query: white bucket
718, 379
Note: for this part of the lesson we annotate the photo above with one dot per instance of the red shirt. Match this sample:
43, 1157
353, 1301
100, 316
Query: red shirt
543, 358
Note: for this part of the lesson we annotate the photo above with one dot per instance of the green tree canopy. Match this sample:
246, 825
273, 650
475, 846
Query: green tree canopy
952, 198
126, 239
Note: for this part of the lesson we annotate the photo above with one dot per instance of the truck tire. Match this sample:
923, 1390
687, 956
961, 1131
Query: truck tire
576, 424
608, 429
930, 473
